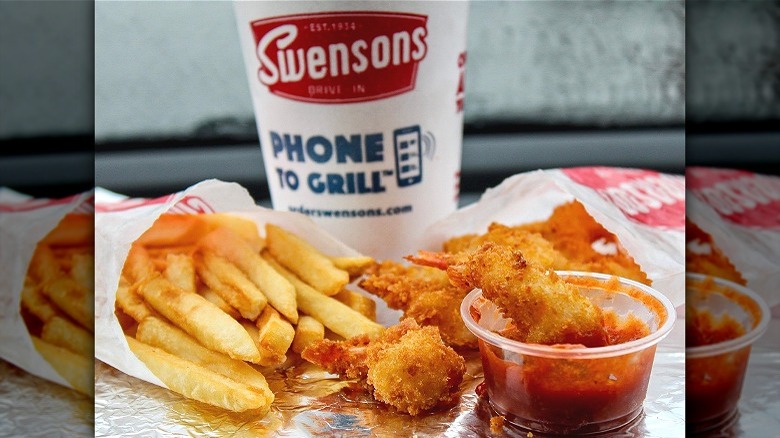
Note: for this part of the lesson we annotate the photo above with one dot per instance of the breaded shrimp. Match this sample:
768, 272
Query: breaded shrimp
543, 308
407, 366
533, 245
424, 294
346, 358
704, 257
573, 232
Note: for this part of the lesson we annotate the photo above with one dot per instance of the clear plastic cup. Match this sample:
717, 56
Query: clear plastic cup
572, 389
714, 372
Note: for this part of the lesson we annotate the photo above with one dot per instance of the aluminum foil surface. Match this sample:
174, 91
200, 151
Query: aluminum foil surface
758, 412
310, 402
34, 407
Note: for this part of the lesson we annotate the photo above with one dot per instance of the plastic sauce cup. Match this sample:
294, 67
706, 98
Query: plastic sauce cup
714, 372
573, 389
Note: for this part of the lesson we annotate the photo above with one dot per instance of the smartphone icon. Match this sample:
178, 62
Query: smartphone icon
408, 155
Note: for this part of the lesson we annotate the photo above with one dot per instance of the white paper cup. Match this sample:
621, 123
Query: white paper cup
359, 109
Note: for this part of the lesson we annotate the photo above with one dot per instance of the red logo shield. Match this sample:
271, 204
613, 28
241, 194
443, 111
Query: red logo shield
340, 57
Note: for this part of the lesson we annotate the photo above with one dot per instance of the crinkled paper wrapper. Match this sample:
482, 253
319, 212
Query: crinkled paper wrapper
532, 196
20, 231
310, 402
754, 251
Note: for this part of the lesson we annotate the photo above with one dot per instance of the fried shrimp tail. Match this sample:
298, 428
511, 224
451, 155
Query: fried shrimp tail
438, 260
346, 358
544, 308
424, 294
407, 366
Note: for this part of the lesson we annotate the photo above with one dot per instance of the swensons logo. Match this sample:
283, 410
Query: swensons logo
336, 59
340, 57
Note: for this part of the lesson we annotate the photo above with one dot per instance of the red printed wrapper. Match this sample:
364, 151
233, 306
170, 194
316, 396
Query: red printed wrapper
740, 211
24, 221
643, 208
119, 223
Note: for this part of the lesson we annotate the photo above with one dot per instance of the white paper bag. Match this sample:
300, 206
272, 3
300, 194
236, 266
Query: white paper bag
119, 224
741, 212
643, 208
24, 221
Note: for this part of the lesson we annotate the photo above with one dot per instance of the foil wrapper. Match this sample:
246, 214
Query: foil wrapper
34, 407
311, 402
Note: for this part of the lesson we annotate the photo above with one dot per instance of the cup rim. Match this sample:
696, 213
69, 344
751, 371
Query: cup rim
736, 343
575, 352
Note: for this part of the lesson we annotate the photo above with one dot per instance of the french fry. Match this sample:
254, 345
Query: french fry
73, 230
243, 227
253, 332
198, 383
78, 370
231, 284
180, 270
161, 252
82, 269
128, 323
279, 292
174, 230
274, 338
63, 333
308, 331
355, 266
160, 334
330, 312
268, 359
65, 253
248, 295
304, 260
198, 317
357, 301
332, 336
73, 299
138, 265
44, 265
37, 304
219, 302
132, 304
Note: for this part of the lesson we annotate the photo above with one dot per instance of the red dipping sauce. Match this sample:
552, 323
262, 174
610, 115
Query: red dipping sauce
565, 389
723, 319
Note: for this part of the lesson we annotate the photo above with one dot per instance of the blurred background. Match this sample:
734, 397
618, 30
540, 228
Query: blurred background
733, 84
549, 84
46, 97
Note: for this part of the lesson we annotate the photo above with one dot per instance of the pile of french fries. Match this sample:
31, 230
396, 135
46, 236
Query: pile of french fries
57, 300
208, 304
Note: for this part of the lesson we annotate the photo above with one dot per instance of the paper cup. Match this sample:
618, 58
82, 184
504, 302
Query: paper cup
573, 390
715, 372
359, 109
